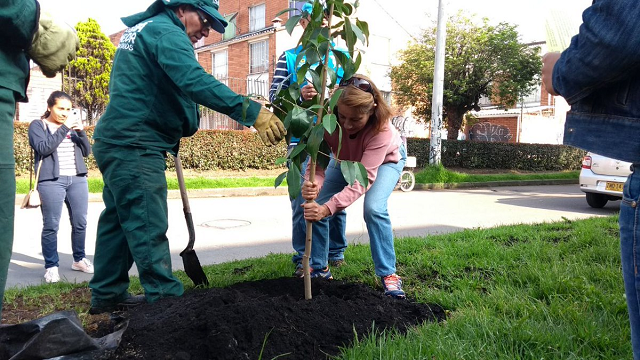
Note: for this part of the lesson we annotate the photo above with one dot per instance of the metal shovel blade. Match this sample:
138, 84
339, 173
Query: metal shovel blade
193, 268
189, 258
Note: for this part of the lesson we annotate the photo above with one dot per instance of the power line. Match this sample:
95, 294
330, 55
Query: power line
394, 19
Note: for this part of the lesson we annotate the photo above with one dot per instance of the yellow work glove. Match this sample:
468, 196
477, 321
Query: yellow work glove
54, 45
270, 128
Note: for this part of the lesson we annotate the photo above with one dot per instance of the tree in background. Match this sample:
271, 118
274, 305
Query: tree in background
86, 78
479, 61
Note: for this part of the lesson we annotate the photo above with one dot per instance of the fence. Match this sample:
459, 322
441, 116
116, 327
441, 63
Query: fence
210, 119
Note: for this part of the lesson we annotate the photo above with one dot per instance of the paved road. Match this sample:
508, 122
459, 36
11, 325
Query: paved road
240, 227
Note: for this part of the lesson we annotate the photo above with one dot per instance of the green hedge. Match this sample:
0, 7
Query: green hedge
497, 155
206, 150
241, 150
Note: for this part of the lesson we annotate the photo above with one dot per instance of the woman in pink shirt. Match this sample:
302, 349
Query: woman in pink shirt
369, 138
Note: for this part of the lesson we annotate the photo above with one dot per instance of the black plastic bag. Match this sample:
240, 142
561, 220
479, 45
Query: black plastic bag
58, 336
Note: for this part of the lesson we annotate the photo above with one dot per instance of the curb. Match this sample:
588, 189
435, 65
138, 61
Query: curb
282, 190
445, 186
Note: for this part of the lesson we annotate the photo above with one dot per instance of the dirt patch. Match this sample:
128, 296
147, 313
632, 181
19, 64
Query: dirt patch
268, 316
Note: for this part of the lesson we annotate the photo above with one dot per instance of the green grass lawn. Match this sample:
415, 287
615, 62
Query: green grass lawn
546, 291
429, 175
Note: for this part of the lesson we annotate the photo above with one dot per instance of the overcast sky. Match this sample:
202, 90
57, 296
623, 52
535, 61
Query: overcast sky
404, 15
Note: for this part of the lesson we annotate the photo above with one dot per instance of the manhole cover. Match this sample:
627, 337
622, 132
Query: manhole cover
226, 223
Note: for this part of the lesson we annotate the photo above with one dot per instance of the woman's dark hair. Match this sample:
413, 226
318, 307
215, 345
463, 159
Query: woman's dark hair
53, 99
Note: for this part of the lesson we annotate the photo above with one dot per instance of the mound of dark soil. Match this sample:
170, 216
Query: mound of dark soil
271, 316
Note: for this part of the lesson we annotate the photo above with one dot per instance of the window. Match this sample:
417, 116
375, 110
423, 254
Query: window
259, 57
230, 31
256, 17
220, 68
297, 5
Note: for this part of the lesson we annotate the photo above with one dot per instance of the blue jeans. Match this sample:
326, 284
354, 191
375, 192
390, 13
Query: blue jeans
629, 251
337, 228
74, 192
375, 214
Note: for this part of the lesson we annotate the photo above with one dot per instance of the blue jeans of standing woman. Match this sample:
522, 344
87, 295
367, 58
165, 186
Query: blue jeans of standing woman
375, 214
630, 253
73, 191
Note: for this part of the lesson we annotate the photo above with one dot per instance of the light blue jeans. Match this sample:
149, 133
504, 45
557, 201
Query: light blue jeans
73, 191
629, 251
337, 228
375, 214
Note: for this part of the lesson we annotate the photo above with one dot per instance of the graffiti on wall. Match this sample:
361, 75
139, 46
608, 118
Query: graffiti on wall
489, 132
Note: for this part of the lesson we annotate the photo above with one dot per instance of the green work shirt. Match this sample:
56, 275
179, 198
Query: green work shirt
156, 84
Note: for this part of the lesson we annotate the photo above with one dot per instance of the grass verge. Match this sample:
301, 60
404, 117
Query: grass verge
545, 291
429, 175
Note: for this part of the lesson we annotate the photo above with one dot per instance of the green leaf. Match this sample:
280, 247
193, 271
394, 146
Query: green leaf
279, 179
363, 27
300, 121
298, 149
315, 139
293, 181
349, 35
323, 155
291, 23
352, 171
334, 98
329, 122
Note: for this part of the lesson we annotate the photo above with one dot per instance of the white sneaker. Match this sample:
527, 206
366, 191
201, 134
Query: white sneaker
51, 275
83, 265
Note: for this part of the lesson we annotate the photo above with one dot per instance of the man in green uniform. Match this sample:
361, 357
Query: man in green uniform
26, 34
156, 84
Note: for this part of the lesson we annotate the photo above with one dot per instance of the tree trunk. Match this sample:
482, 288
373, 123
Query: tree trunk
454, 122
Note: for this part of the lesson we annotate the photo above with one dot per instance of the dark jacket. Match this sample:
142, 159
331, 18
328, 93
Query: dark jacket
45, 145
599, 76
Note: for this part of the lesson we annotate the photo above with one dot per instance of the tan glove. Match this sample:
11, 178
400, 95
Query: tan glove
270, 128
54, 45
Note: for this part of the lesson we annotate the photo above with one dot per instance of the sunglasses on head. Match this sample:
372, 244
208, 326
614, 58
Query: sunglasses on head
206, 25
361, 84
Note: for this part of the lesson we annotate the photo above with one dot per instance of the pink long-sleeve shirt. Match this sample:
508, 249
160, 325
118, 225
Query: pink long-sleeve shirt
368, 148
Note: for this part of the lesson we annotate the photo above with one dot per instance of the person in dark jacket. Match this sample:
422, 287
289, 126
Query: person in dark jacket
599, 76
61, 144
27, 34
155, 86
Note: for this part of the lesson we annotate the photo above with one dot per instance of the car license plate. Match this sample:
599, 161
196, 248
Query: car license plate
614, 186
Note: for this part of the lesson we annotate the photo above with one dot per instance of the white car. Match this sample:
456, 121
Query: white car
602, 179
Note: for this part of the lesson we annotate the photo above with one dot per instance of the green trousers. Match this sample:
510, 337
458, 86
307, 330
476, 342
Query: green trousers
132, 227
8, 184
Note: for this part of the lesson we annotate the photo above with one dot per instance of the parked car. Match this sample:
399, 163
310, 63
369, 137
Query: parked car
602, 179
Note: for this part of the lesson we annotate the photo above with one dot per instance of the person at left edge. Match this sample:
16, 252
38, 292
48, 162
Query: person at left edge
27, 34
155, 86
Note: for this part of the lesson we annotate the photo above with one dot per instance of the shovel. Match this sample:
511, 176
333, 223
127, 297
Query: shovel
189, 258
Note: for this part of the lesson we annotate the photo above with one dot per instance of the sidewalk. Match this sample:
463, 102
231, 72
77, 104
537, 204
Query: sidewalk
233, 224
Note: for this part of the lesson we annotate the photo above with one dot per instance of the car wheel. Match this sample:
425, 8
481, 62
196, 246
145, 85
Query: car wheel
596, 200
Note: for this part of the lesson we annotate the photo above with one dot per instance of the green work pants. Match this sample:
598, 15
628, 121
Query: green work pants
133, 226
7, 184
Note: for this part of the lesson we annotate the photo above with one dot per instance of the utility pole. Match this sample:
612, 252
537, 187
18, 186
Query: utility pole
435, 151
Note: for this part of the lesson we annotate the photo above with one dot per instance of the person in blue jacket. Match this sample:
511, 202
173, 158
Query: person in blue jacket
284, 74
599, 76
27, 34
155, 87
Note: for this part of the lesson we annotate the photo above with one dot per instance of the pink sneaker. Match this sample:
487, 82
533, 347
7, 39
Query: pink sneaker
392, 285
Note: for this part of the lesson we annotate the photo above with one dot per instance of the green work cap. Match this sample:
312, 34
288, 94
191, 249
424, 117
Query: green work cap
209, 7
